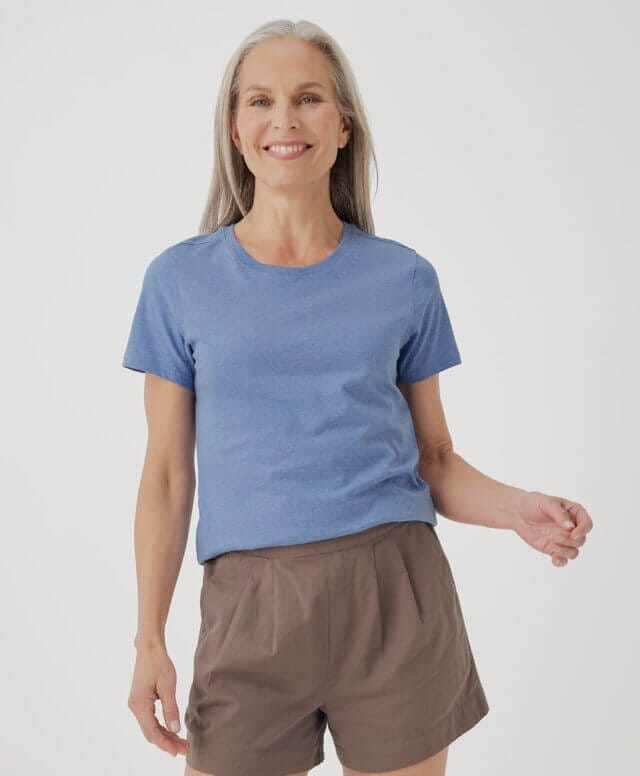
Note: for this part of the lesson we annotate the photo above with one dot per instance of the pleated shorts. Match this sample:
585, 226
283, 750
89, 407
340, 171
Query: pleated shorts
363, 633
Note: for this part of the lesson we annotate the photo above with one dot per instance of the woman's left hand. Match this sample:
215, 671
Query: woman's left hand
553, 525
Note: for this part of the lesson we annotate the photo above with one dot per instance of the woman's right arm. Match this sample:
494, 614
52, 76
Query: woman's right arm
163, 514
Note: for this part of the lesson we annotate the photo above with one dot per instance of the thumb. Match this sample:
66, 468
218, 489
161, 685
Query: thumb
552, 507
169, 708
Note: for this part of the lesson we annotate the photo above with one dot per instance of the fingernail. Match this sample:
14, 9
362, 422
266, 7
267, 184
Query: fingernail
174, 726
568, 524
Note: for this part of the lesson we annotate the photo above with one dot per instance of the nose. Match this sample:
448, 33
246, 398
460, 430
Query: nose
284, 115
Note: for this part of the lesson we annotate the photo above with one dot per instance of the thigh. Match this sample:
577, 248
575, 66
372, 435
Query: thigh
403, 679
253, 702
433, 766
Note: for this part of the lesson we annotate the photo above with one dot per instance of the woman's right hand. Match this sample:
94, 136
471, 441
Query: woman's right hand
154, 678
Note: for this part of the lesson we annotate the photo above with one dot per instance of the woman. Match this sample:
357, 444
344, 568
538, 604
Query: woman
313, 347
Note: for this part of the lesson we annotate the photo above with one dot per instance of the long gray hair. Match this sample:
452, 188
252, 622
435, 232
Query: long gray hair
232, 184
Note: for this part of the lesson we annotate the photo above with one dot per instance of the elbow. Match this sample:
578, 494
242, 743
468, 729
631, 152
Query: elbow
435, 453
175, 476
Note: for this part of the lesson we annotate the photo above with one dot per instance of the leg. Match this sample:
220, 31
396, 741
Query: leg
432, 766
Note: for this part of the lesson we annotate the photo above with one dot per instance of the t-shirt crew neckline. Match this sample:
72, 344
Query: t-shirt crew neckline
239, 252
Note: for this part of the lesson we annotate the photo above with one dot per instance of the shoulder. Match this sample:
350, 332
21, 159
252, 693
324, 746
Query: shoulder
386, 247
401, 252
183, 256
425, 276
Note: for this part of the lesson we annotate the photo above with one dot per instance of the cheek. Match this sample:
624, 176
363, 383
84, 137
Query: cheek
250, 129
325, 122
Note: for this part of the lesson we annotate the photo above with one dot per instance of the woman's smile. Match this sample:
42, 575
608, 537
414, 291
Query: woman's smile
287, 151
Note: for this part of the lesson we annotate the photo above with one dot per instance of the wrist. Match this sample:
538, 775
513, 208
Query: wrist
149, 643
512, 507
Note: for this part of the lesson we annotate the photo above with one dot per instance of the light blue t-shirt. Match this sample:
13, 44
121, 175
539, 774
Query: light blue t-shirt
301, 430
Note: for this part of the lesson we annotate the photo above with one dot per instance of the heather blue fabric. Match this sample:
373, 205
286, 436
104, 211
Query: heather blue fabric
301, 430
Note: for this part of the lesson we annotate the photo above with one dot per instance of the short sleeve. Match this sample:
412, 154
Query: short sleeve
431, 345
156, 341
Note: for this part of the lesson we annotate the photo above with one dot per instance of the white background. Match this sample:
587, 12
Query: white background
507, 140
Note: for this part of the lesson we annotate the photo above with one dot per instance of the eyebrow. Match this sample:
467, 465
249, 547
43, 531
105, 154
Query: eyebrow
304, 85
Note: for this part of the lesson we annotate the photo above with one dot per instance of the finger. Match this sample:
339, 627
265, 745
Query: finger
568, 540
584, 523
174, 737
170, 710
567, 551
180, 745
556, 509
561, 554
166, 692
151, 730
167, 740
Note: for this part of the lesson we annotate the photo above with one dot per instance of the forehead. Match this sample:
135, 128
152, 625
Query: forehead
284, 63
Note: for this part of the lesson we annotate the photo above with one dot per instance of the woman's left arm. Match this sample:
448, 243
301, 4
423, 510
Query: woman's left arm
553, 525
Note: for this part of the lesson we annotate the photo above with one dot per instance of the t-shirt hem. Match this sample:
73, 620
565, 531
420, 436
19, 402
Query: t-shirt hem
159, 372
418, 376
203, 556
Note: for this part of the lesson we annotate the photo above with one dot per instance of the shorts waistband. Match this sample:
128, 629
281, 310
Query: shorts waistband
320, 546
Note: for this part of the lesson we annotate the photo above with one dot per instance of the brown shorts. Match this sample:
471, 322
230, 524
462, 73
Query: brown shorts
364, 632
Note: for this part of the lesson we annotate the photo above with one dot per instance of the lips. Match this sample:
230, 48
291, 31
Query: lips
267, 147
288, 155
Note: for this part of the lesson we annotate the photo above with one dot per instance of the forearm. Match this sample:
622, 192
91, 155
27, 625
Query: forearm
462, 493
161, 531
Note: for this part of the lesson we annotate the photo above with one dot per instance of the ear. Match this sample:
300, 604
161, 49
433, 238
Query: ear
345, 131
235, 137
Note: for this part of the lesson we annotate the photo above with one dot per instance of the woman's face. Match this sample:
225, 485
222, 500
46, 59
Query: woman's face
286, 97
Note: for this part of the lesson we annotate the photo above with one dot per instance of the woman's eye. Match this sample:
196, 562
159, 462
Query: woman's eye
304, 97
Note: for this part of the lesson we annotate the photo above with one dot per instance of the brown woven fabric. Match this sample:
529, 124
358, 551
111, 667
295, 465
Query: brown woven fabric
362, 632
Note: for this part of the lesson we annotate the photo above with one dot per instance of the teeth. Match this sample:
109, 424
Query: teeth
286, 149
